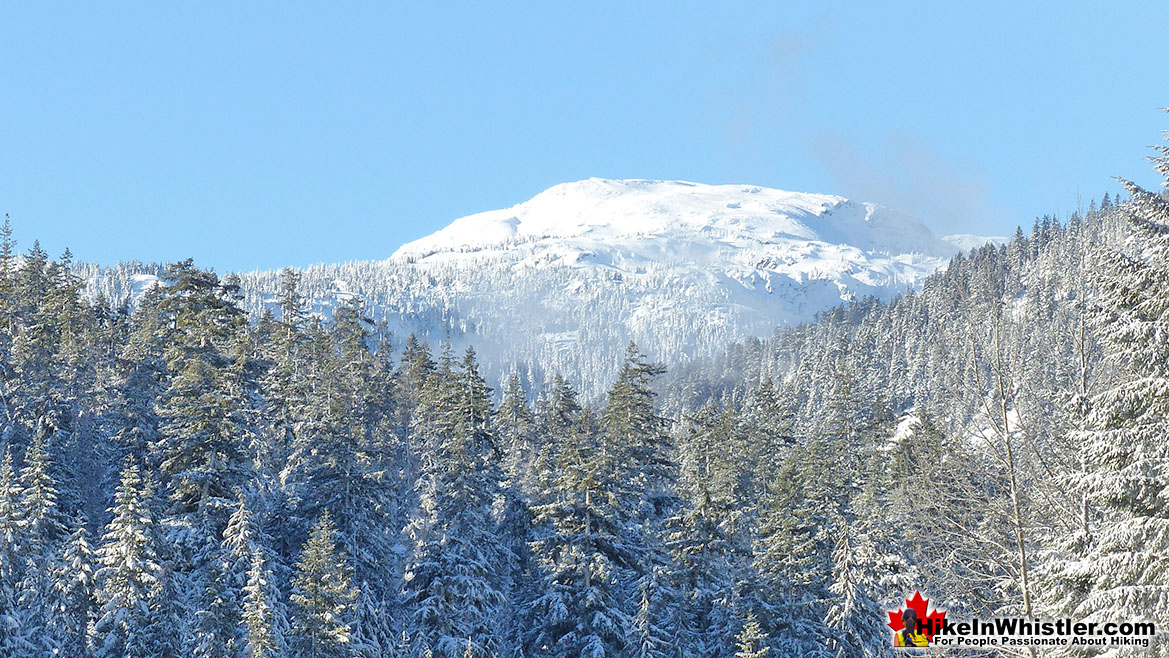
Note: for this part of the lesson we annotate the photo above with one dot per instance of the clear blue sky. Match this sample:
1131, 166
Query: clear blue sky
252, 135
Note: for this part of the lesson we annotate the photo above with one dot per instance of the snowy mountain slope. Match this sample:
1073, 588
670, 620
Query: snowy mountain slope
606, 211
561, 282
755, 237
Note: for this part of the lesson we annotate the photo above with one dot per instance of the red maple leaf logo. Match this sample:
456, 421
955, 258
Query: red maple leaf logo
931, 619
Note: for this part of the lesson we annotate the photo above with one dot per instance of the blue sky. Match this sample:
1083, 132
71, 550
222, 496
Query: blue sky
253, 135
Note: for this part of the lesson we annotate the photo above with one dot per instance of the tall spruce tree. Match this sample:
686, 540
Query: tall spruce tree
43, 526
34, 344
455, 591
129, 579
341, 460
13, 552
635, 441
705, 573
1124, 445
244, 543
74, 578
855, 615
515, 425
322, 598
203, 452
786, 559
585, 555
261, 619
651, 633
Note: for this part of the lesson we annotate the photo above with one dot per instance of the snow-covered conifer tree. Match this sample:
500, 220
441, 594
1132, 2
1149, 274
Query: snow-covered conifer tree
74, 580
752, 641
262, 637
43, 526
584, 555
455, 588
203, 450
129, 577
322, 598
1124, 444
651, 633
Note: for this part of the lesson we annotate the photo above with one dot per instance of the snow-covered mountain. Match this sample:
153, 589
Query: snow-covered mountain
741, 238
564, 280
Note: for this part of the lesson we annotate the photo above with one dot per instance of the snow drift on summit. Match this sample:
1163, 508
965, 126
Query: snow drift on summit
670, 218
568, 277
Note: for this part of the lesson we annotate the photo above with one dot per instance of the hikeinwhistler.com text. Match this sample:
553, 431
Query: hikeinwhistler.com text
1021, 632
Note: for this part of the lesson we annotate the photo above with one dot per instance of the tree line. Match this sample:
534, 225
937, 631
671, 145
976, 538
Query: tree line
179, 479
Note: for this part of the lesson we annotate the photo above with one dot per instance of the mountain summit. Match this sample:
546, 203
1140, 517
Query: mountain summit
563, 281
605, 212
682, 268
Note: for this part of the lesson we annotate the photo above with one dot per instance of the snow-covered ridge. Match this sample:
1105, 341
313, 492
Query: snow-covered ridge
602, 211
682, 268
561, 282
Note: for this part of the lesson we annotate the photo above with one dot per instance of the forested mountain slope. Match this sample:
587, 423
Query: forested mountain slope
177, 480
560, 283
